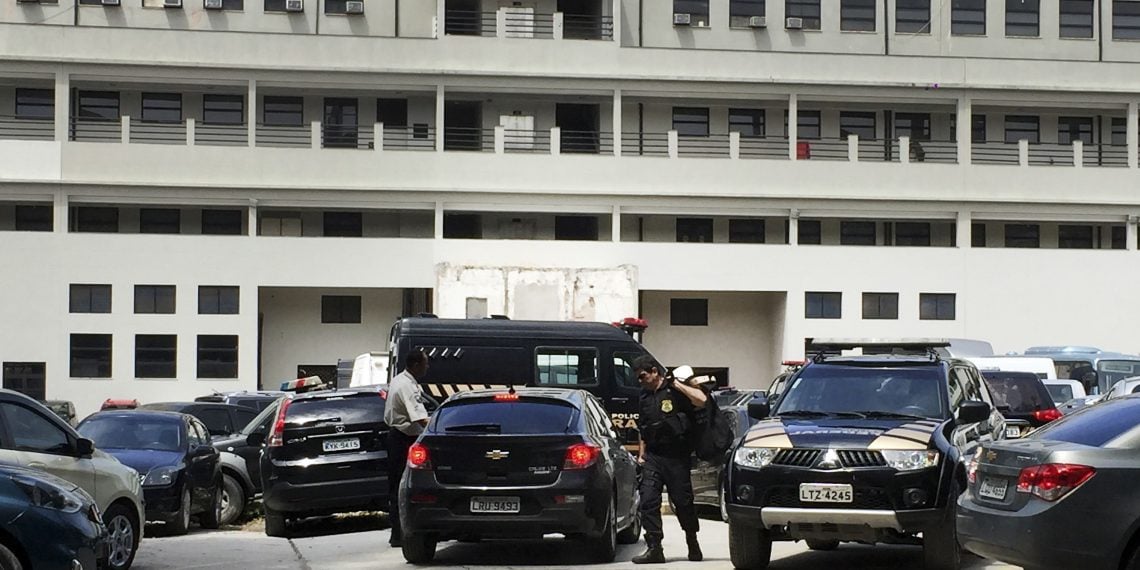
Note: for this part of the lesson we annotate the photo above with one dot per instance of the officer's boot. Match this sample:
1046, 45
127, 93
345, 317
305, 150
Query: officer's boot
654, 554
695, 554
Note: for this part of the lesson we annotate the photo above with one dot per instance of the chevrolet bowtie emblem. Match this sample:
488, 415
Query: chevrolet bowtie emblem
495, 454
830, 460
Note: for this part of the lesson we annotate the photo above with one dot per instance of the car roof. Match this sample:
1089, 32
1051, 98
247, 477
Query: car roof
565, 394
883, 360
176, 406
137, 413
320, 394
505, 328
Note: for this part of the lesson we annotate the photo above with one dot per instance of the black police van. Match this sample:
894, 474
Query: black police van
469, 354
868, 449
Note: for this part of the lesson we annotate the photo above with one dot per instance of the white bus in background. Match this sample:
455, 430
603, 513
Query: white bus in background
370, 368
1043, 367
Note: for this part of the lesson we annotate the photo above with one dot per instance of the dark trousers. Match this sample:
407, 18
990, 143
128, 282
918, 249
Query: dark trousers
397, 444
672, 473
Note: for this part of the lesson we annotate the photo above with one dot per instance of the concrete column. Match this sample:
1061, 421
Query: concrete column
964, 229
190, 131
251, 218
674, 144
500, 139
315, 134
1078, 153
794, 227
378, 137
439, 126
904, 150
559, 25
439, 220
617, 122
1132, 130
1130, 233
615, 8
734, 145
615, 224
963, 126
251, 113
125, 129
500, 23
793, 125
59, 213
556, 141
853, 148
1023, 152
440, 18
62, 106
793, 341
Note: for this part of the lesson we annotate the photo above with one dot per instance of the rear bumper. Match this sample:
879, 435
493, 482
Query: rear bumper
327, 497
1037, 538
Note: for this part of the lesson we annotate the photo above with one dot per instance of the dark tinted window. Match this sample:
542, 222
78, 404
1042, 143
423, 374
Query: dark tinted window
1096, 425
90, 356
90, 299
31, 218
355, 409
1022, 17
837, 388
156, 356
912, 16
691, 121
747, 122
689, 312
154, 299
126, 432
806, 9
221, 222
745, 231
857, 15
217, 356
160, 220
31, 431
283, 111
162, 107
823, 305
223, 109
520, 417
218, 300
340, 309
242, 418
217, 420
1022, 392
968, 17
695, 230
1076, 18
35, 103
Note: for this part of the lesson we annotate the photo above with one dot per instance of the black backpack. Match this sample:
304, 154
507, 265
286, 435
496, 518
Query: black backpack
714, 432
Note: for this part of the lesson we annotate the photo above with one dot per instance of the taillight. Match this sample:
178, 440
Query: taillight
1046, 416
508, 397
277, 436
1053, 480
581, 456
418, 457
383, 394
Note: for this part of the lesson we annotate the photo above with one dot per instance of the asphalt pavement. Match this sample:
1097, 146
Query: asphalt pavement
360, 543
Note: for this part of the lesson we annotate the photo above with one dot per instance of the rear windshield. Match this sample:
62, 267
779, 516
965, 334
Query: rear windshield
1095, 425
522, 417
353, 409
837, 389
1060, 393
1022, 392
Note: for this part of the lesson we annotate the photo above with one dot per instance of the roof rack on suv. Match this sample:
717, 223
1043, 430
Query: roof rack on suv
829, 347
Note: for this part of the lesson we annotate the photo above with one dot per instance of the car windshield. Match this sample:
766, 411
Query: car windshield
1095, 425
133, 433
519, 417
838, 389
1112, 371
352, 408
262, 418
1019, 392
1060, 393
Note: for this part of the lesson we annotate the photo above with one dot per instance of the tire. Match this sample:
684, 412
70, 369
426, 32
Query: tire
275, 524
823, 545
1133, 560
211, 518
632, 533
940, 548
124, 534
180, 524
603, 548
9, 560
233, 500
750, 548
419, 548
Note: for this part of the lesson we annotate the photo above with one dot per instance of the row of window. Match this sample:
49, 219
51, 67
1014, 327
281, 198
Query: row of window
38, 218
694, 312
331, 6
967, 17
156, 356
155, 299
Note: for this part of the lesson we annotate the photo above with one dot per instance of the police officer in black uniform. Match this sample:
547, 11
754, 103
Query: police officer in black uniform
666, 423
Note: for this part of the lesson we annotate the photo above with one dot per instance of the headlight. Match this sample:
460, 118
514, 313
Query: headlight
161, 476
754, 457
911, 460
48, 495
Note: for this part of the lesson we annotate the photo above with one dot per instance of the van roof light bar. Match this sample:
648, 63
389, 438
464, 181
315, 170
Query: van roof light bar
829, 347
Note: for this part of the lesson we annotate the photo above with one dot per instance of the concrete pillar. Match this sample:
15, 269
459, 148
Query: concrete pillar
251, 113
1023, 152
794, 227
500, 23
793, 125
853, 148
378, 137
315, 134
1132, 133
251, 218
734, 145
615, 9
793, 337
439, 126
440, 18
59, 212
964, 229
615, 224
500, 139
617, 122
1130, 233
556, 141
62, 106
190, 131
904, 150
674, 144
439, 220
1078, 153
963, 124
125, 129
559, 25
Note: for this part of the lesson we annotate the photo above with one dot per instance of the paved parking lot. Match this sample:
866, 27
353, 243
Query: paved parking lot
360, 544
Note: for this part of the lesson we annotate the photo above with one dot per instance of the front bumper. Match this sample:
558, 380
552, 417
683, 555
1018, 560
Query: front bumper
162, 503
902, 521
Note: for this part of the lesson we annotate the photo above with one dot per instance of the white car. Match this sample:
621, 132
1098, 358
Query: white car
1123, 388
32, 436
1064, 390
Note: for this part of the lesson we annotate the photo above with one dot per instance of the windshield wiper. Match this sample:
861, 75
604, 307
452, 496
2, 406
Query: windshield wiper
489, 428
882, 414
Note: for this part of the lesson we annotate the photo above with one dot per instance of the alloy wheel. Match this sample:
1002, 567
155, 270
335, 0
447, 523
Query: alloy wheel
122, 541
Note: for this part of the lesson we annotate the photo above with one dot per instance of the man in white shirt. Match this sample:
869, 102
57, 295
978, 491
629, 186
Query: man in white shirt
406, 417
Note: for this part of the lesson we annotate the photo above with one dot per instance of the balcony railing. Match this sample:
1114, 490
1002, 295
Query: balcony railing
645, 144
1051, 154
415, 137
823, 149
96, 129
468, 138
26, 129
464, 23
764, 147
995, 152
585, 27
209, 134
527, 25
149, 132
537, 141
587, 142
510, 22
284, 136
1105, 155
711, 146
347, 136
928, 151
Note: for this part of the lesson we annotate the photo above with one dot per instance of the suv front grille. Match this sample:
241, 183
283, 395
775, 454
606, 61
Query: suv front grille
809, 457
862, 459
796, 457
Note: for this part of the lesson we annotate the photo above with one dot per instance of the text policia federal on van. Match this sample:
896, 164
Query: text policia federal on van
496, 353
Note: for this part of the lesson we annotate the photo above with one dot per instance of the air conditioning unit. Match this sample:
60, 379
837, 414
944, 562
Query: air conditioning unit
212, 4
757, 22
794, 23
171, 3
354, 7
682, 19
294, 5
110, 2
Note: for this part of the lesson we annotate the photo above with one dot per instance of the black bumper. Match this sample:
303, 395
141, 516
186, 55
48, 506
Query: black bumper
327, 497
162, 503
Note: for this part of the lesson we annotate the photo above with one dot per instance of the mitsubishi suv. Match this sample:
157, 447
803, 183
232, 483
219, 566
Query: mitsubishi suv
869, 448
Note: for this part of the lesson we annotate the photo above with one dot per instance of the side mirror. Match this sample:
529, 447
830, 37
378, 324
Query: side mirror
973, 412
255, 439
202, 451
84, 447
759, 408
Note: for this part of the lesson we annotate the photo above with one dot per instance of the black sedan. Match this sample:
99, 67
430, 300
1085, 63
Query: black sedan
1021, 396
181, 472
1062, 497
48, 522
519, 464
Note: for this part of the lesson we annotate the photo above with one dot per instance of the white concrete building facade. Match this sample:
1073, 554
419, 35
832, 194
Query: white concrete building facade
203, 195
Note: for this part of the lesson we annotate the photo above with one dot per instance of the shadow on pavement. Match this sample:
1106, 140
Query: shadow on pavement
866, 558
547, 552
339, 524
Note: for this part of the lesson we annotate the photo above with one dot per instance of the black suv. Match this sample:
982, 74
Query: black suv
868, 449
257, 401
325, 454
220, 419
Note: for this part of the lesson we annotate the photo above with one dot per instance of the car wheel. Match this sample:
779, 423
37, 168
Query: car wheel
632, 533
9, 560
1133, 560
750, 548
180, 524
275, 524
123, 537
418, 548
604, 546
940, 548
233, 500
823, 545
211, 518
